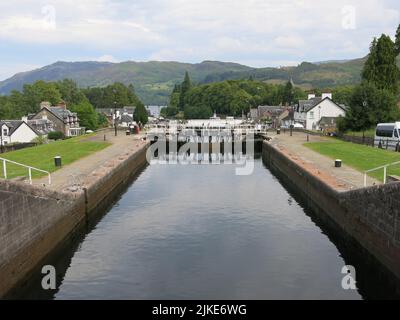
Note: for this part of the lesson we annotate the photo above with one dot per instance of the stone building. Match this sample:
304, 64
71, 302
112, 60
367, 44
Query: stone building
62, 119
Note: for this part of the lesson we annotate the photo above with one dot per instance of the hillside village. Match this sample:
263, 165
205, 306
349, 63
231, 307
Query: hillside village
314, 113
58, 122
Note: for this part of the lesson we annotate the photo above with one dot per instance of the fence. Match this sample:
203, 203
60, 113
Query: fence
17, 146
384, 167
369, 141
5, 161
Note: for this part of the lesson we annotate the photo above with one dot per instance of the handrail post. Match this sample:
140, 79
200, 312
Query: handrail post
30, 175
5, 169
384, 174
365, 179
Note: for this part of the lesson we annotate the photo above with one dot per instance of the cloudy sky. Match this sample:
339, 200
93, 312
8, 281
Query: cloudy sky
34, 33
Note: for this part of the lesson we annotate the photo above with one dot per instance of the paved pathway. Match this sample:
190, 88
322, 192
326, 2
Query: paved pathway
76, 172
342, 179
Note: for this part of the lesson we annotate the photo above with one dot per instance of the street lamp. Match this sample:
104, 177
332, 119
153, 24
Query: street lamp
1, 136
115, 112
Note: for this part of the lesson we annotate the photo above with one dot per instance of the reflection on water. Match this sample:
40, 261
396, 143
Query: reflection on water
202, 232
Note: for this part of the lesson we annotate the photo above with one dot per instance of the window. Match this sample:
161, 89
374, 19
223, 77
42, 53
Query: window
312, 115
385, 131
5, 132
395, 133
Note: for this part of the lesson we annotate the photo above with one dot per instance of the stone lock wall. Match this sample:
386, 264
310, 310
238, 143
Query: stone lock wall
34, 221
370, 216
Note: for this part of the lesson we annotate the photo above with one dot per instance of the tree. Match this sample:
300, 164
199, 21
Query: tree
102, 120
369, 106
5, 108
380, 68
34, 94
175, 95
198, 112
95, 96
288, 93
169, 112
119, 93
141, 115
185, 87
369, 70
230, 97
70, 92
342, 94
87, 115
397, 41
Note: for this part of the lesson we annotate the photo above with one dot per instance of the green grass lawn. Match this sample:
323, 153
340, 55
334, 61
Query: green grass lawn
42, 157
358, 156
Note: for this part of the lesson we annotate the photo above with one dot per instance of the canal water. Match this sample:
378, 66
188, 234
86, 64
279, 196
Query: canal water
202, 232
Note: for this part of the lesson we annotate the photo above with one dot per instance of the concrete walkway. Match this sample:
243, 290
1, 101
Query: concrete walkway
77, 172
341, 179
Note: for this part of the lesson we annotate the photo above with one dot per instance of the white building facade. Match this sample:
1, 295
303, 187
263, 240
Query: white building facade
15, 131
310, 112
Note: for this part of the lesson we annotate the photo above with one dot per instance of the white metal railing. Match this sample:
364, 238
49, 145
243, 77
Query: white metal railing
384, 167
5, 161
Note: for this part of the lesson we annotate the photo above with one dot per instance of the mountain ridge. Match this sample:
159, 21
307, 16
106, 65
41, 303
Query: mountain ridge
154, 80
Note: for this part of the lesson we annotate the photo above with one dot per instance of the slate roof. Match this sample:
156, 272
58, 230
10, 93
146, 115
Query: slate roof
41, 126
126, 118
307, 105
62, 113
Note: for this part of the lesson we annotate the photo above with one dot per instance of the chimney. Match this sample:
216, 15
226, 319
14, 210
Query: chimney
311, 96
62, 104
25, 119
45, 104
326, 95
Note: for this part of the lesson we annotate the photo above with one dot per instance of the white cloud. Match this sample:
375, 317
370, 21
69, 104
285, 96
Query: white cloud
106, 58
289, 42
263, 31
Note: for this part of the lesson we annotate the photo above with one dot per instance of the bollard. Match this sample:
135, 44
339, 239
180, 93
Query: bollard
338, 163
57, 161
308, 138
278, 131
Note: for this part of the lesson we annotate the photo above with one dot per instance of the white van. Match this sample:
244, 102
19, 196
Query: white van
387, 136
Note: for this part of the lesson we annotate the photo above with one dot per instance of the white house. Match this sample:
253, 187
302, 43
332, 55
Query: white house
16, 131
310, 112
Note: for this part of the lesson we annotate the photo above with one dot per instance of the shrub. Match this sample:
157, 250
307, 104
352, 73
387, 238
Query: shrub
40, 140
55, 135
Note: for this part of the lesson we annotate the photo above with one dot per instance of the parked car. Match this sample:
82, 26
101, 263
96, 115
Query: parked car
298, 126
387, 136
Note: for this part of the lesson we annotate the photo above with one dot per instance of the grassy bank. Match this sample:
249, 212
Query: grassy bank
368, 133
358, 156
42, 157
